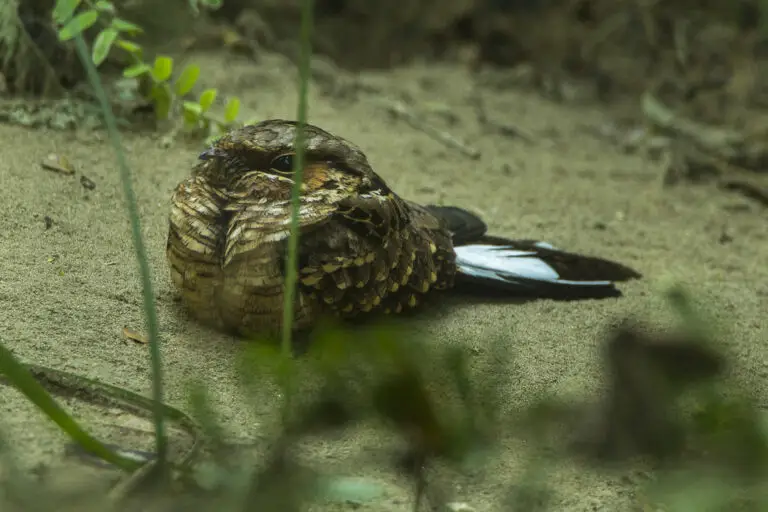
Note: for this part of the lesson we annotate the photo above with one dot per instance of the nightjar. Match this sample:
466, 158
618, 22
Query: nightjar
362, 248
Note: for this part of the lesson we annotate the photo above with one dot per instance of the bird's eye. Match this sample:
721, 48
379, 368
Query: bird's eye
283, 163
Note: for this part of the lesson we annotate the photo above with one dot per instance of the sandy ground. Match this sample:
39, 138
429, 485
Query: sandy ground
67, 291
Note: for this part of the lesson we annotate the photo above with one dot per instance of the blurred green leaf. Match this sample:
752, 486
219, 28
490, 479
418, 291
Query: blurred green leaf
355, 491
163, 68
194, 7
191, 112
130, 47
192, 107
457, 363
210, 476
136, 70
682, 303
260, 364
78, 24
232, 109
161, 96
211, 4
203, 412
104, 6
64, 9
103, 45
23, 380
207, 97
206, 124
126, 26
187, 79
191, 120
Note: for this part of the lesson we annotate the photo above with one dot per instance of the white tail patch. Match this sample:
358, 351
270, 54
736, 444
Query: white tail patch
509, 265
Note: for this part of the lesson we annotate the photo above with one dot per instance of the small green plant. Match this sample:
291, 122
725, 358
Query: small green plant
171, 97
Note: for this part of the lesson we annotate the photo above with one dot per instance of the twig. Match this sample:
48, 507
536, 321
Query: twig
401, 111
705, 150
725, 143
746, 189
420, 485
681, 43
504, 129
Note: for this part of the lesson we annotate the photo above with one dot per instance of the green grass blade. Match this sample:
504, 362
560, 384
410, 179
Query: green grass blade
291, 270
23, 380
141, 253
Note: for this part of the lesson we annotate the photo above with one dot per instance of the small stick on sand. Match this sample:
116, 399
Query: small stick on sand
504, 129
400, 110
748, 189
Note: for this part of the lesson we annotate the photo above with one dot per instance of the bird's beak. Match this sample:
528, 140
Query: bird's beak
212, 152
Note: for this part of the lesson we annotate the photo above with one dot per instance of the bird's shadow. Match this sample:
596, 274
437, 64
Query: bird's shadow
472, 292
463, 294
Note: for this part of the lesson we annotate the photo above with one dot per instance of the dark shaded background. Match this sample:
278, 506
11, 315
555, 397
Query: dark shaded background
706, 52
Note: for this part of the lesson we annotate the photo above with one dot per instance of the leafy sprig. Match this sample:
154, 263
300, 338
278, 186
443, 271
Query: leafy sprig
171, 97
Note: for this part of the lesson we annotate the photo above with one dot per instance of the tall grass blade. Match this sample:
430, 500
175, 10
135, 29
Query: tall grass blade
291, 270
141, 253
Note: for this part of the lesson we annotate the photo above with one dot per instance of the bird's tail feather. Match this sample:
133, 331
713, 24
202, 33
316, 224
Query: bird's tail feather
528, 267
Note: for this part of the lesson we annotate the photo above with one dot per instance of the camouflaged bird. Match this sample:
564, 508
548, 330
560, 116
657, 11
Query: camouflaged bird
362, 248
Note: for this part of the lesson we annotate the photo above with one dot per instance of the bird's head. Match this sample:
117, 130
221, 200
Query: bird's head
258, 160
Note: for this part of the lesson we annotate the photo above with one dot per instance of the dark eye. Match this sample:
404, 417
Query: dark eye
283, 163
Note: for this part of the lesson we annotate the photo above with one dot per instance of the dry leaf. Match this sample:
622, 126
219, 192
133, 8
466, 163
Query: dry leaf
58, 163
134, 336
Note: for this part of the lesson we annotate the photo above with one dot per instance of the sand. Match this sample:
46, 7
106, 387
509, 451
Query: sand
67, 290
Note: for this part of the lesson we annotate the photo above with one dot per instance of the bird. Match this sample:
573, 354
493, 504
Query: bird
362, 249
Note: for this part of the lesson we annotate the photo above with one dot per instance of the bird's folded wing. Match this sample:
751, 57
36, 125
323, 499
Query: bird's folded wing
463, 225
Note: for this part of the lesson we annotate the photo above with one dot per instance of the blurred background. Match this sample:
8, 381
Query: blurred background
706, 54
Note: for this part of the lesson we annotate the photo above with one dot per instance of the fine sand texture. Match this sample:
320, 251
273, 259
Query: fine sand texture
69, 281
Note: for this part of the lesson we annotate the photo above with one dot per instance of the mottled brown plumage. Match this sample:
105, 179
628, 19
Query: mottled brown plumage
362, 248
